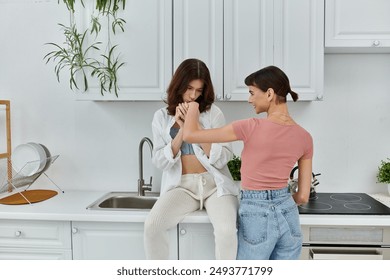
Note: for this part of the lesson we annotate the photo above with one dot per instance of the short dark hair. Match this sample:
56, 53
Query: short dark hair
189, 70
275, 78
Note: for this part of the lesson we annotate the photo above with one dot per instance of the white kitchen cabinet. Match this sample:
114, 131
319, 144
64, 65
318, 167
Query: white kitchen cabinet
248, 43
215, 31
112, 241
235, 38
299, 45
198, 33
196, 241
34, 240
145, 46
357, 26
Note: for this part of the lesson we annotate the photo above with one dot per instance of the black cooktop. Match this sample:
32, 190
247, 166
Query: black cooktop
344, 204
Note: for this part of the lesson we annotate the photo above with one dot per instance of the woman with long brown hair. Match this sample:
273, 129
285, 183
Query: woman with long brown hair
195, 176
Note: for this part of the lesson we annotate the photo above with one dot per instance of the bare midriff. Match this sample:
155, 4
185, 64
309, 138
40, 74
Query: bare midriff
191, 165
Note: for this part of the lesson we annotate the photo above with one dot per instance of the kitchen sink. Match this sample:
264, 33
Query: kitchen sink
124, 201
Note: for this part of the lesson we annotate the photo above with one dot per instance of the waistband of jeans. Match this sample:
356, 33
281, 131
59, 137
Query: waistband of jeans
264, 194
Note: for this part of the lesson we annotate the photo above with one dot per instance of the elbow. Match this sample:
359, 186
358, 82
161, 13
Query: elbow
300, 198
185, 135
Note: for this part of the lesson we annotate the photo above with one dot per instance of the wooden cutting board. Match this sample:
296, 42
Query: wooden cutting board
33, 196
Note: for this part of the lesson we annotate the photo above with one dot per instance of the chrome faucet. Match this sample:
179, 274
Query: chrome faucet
142, 187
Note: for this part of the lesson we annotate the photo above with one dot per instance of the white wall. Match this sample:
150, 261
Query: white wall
351, 127
98, 141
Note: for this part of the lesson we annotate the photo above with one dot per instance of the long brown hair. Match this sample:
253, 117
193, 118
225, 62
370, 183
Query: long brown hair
275, 78
189, 70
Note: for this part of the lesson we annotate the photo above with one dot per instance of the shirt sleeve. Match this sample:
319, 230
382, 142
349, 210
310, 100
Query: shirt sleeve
308, 154
244, 128
162, 150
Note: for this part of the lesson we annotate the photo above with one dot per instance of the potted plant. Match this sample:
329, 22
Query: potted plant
81, 55
383, 175
234, 166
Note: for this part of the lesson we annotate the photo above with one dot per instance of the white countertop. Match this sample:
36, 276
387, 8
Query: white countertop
71, 206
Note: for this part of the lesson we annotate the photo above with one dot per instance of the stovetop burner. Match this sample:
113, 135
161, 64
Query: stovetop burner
344, 204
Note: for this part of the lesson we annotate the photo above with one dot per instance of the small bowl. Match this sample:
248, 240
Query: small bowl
29, 159
48, 157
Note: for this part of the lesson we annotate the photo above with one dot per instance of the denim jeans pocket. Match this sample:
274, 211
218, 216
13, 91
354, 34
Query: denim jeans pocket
291, 214
254, 226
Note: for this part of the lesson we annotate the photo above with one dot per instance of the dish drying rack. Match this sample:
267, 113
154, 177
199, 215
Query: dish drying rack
14, 180
11, 179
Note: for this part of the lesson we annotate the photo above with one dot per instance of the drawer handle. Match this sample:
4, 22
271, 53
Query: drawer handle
18, 233
376, 43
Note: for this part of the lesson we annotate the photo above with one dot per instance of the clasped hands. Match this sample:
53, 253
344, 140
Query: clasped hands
182, 110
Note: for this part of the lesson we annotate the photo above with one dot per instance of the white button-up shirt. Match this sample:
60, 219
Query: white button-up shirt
216, 164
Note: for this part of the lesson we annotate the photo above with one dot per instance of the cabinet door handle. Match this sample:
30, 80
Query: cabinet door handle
18, 233
376, 43
183, 231
228, 97
219, 97
74, 230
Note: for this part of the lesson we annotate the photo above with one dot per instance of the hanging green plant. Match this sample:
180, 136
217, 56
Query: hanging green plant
79, 58
103, 6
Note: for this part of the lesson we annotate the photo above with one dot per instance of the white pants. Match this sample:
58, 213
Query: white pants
194, 192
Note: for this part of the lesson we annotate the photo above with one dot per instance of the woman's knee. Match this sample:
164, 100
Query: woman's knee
153, 224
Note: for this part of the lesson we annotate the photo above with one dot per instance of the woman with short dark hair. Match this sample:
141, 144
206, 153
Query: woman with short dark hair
268, 218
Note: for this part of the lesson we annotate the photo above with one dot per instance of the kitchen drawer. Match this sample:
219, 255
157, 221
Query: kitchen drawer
35, 254
35, 234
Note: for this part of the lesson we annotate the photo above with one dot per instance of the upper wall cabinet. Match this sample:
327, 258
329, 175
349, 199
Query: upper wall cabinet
248, 43
146, 48
357, 26
235, 38
198, 33
299, 45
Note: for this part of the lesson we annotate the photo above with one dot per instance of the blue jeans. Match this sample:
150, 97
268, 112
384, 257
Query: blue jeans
268, 226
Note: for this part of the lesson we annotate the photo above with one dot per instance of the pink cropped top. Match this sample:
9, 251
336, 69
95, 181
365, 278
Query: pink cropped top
270, 152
